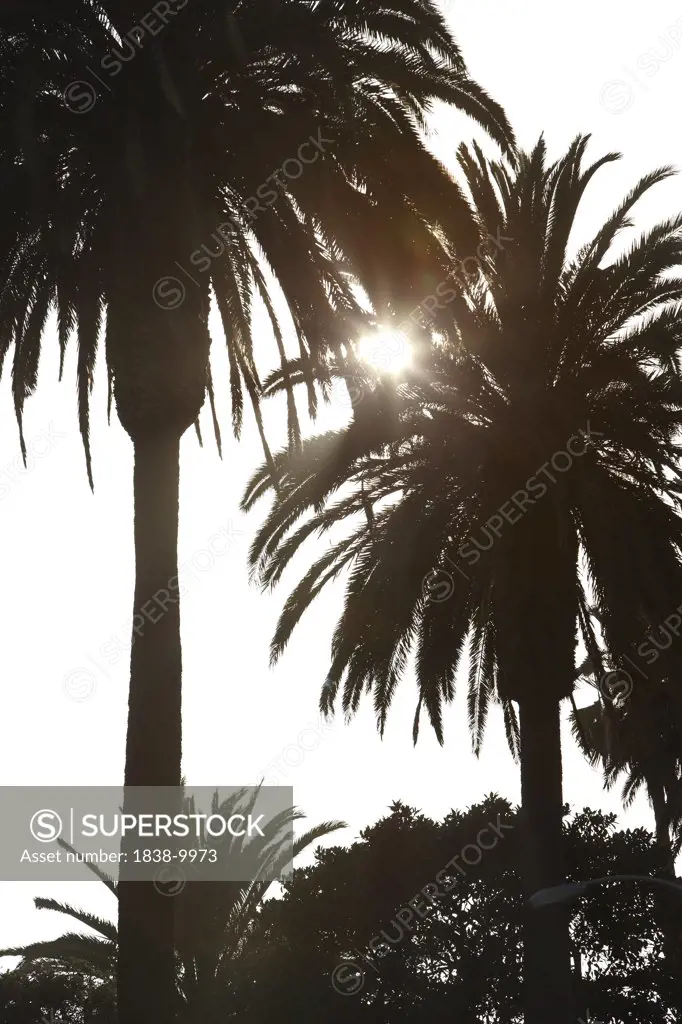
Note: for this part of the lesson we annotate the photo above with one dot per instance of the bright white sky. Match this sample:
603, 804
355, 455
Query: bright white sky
610, 68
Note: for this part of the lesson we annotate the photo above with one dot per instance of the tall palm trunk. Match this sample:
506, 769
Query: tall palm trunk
662, 823
536, 603
549, 991
146, 951
668, 911
579, 987
158, 354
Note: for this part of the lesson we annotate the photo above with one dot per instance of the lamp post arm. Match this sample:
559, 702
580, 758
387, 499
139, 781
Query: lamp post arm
651, 879
571, 891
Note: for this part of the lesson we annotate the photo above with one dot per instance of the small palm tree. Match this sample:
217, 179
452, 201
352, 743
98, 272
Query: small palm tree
216, 925
642, 741
636, 730
529, 458
640, 738
241, 151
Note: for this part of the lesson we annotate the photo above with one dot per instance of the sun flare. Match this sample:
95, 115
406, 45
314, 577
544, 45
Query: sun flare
385, 351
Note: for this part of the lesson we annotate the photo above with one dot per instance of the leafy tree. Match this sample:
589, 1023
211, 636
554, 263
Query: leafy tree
460, 958
43, 993
525, 465
195, 112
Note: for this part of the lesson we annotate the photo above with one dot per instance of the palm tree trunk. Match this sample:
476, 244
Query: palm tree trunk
549, 992
661, 818
146, 958
579, 985
668, 912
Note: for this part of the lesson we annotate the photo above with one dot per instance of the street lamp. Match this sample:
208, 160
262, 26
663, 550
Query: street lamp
569, 892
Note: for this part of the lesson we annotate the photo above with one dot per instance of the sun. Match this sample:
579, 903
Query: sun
385, 351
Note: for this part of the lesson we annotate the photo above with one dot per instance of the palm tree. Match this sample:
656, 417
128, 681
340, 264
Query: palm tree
528, 458
246, 150
640, 738
642, 741
216, 925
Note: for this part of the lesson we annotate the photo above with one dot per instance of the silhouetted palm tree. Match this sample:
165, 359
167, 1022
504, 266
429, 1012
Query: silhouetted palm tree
525, 463
255, 149
640, 737
641, 740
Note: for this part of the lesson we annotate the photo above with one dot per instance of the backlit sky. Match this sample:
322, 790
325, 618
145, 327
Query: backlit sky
610, 68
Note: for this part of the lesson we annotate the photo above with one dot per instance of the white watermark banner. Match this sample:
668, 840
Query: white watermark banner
146, 833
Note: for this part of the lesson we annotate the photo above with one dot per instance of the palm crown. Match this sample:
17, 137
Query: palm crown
181, 160
541, 428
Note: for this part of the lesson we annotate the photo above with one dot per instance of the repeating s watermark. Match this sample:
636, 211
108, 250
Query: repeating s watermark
439, 583
389, 349
617, 684
385, 351
293, 755
348, 391
39, 447
81, 95
618, 94
169, 291
348, 977
464, 274
80, 682
381, 352
170, 880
